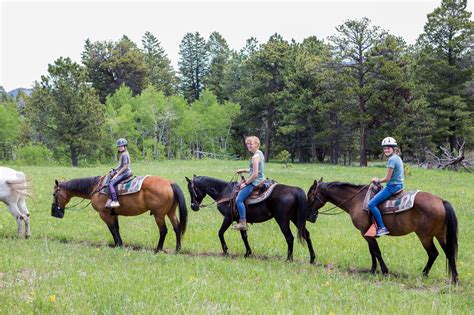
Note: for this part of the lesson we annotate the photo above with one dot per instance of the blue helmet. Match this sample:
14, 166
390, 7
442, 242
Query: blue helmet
122, 142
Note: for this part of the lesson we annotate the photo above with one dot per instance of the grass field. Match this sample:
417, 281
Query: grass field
69, 265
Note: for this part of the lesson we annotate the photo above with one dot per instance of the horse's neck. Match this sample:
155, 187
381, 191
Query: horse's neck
345, 199
215, 188
81, 187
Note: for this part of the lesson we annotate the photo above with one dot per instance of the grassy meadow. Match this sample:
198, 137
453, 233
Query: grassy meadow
69, 265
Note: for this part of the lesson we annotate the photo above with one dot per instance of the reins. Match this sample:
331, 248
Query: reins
326, 212
215, 201
90, 200
70, 207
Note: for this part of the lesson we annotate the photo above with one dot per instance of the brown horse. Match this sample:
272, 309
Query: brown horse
157, 195
430, 217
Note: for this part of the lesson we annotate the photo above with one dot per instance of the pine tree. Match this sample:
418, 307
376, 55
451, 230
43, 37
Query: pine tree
352, 47
159, 70
193, 65
219, 55
445, 67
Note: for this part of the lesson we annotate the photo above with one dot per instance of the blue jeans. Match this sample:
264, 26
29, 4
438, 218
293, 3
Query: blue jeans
243, 194
115, 182
380, 197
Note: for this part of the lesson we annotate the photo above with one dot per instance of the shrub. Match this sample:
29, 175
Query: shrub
36, 154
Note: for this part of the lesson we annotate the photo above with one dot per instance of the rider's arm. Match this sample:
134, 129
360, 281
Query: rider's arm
386, 178
120, 171
242, 170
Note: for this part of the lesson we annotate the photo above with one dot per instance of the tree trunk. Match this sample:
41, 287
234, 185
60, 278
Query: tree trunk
74, 158
362, 152
268, 131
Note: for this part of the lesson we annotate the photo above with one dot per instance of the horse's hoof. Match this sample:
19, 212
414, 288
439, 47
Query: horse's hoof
373, 270
247, 255
312, 261
225, 254
27, 236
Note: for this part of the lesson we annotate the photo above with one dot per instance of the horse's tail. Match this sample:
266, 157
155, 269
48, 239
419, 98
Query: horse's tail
20, 186
302, 213
183, 211
451, 239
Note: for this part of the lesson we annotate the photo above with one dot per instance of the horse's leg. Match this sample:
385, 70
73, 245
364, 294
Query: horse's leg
248, 250
25, 214
375, 251
176, 228
160, 221
431, 250
112, 224
373, 269
12, 206
285, 229
117, 229
307, 238
225, 225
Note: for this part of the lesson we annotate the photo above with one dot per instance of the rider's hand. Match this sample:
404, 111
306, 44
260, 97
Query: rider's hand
242, 185
375, 180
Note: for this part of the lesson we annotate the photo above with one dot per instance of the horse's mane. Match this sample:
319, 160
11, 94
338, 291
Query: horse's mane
343, 185
80, 185
215, 184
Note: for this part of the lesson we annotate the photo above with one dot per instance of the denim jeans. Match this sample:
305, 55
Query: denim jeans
380, 197
243, 194
114, 182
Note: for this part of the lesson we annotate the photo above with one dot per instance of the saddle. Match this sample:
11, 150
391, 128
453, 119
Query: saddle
398, 202
260, 192
130, 185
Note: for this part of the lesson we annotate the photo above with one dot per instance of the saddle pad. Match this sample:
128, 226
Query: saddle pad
402, 202
129, 186
253, 199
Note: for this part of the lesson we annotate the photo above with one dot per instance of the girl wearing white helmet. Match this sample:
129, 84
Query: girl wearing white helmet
394, 180
123, 171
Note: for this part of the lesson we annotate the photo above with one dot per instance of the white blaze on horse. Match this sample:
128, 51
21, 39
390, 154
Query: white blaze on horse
13, 191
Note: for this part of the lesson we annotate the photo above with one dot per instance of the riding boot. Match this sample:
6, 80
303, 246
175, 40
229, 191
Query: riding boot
241, 226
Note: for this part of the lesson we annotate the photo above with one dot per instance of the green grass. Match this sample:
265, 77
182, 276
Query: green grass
69, 265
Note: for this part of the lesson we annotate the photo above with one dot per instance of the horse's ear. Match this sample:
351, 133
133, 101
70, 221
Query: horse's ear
56, 181
187, 179
194, 175
321, 180
315, 183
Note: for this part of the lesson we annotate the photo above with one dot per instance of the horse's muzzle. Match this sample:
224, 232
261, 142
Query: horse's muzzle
194, 206
57, 211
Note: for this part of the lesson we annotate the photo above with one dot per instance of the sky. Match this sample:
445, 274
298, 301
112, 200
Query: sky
35, 33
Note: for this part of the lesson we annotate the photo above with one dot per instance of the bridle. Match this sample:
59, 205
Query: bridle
326, 212
57, 191
198, 205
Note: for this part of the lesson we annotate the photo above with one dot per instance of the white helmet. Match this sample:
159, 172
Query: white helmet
389, 142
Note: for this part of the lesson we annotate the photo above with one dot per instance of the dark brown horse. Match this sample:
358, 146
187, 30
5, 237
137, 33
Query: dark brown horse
285, 204
430, 217
157, 195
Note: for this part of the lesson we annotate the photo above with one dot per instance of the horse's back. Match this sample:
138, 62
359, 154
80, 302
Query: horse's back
7, 173
8, 178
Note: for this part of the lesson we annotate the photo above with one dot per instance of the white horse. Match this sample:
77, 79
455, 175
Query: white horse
13, 191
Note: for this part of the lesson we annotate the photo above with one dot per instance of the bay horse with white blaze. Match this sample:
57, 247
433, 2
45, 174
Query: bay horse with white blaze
430, 217
157, 195
285, 204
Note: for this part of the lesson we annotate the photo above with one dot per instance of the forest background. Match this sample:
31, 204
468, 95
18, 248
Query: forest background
330, 100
